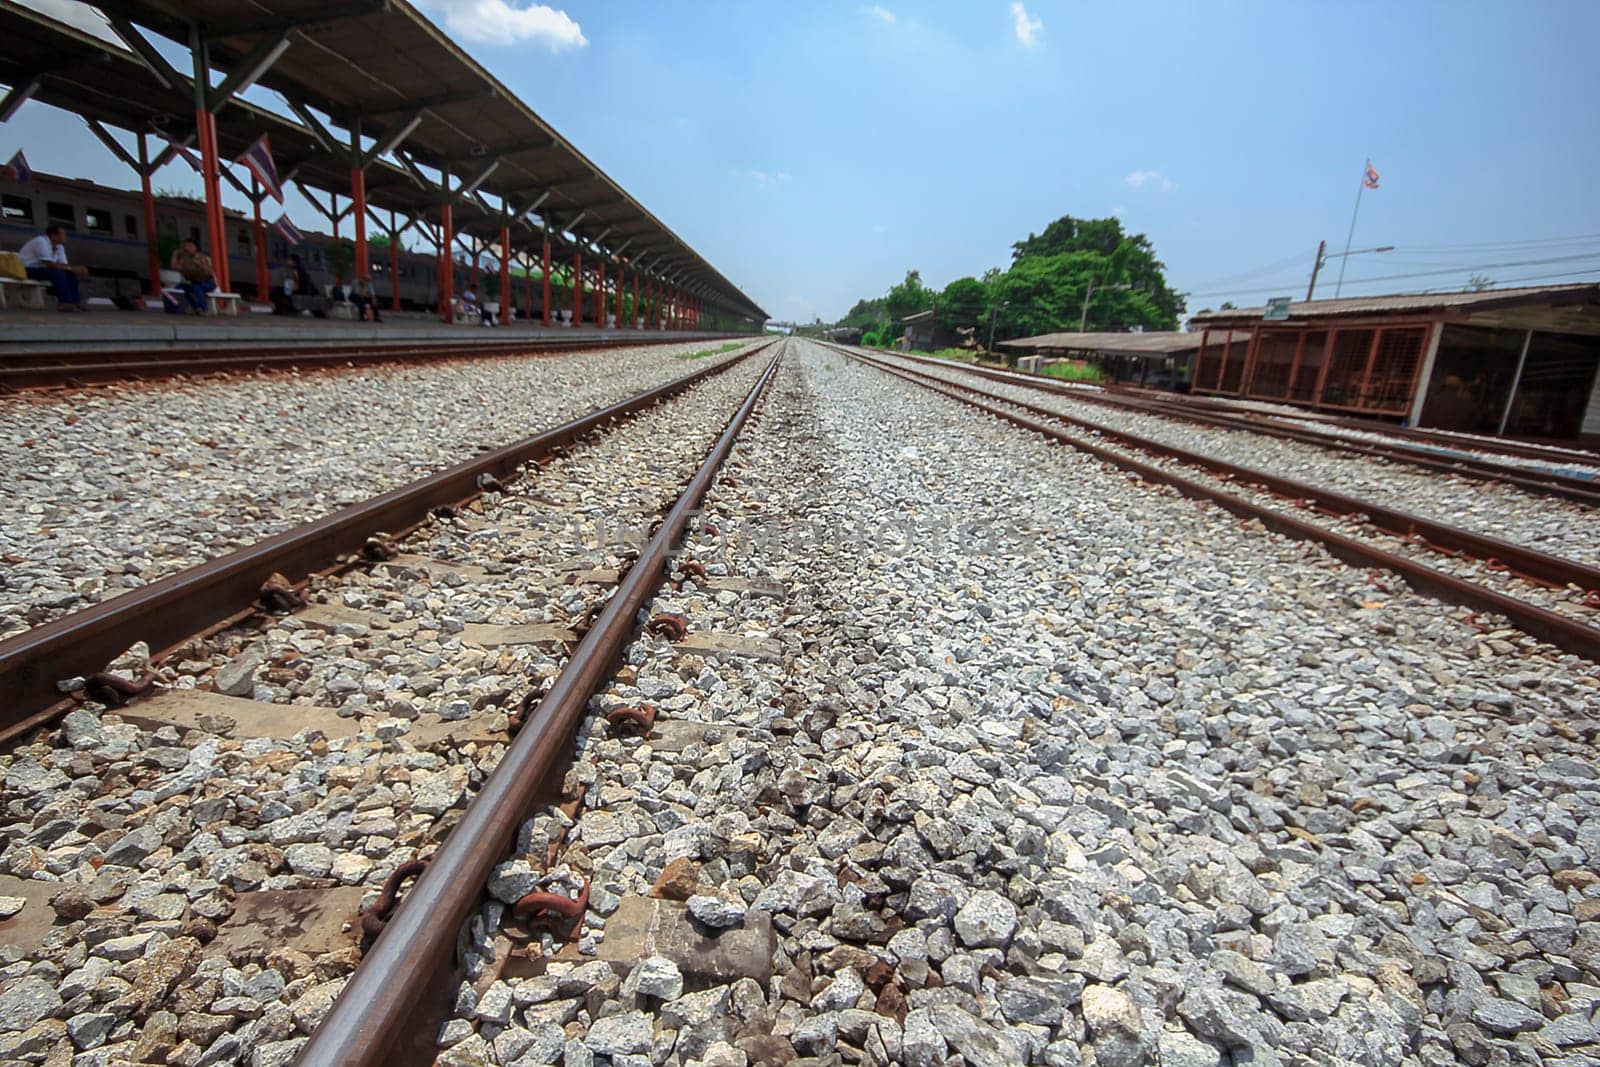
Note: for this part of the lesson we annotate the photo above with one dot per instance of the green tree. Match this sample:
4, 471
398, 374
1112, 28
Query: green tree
1126, 261
907, 298
964, 303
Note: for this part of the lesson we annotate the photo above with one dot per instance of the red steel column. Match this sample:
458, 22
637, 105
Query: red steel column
148, 202
211, 179
546, 265
472, 242
505, 276
358, 194
621, 284
636, 300
260, 233
600, 296
447, 265
394, 272
577, 289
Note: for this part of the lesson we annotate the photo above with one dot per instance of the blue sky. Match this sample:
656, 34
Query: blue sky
814, 152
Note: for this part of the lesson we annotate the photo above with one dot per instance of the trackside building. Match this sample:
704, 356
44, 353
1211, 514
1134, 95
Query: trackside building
1524, 362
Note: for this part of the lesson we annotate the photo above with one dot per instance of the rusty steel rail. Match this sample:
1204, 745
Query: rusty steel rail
174, 608
1527, 562
1563, 631
1510, 446
1543, 483
391, 1006
45, 369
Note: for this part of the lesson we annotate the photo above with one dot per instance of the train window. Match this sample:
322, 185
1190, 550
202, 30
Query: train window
61, 214
97, 220
244, 238
130, 225
16, 207
194, 234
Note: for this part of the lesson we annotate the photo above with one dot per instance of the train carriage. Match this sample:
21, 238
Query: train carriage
106, 233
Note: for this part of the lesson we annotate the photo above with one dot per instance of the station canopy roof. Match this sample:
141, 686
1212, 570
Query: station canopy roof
378, 63
1151, 343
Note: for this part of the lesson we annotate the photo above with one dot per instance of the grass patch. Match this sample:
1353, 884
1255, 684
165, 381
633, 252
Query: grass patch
1073, 372
729, 347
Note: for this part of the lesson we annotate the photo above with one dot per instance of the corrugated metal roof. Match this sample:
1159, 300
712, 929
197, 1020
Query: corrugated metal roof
1152, 343
383, 61
1470, 300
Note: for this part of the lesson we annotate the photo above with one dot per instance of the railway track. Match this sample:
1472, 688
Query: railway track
44, 370
1462, 567
470, 543
871, 784
1426, 456
169, 610
1542, 452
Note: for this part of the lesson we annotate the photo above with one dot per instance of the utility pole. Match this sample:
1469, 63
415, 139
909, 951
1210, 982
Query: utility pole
1322, 246
1083, 318
1323, 257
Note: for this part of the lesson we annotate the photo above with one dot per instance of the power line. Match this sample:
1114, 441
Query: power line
1466, 268
1473, 268
1432, 289
1268, 269
1530, 242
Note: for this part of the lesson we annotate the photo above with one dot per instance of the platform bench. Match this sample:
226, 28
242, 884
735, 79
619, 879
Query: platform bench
217, 302
27, 294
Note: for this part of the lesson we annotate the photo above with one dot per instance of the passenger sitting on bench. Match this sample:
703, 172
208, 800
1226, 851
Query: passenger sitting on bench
297, 283
471, 306
45, 259
198, 280
365, 300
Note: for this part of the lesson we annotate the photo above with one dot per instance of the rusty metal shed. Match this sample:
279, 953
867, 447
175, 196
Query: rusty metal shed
1520, 361
1156, 356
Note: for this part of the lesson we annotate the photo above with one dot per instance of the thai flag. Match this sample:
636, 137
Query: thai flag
259, 159
21, 173
1370, 178
293, 236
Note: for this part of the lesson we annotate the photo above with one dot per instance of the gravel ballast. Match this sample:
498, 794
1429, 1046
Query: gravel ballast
1023, 761
1060, 769
1548, 524
111, 488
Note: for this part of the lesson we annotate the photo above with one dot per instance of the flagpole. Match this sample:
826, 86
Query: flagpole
1339, 286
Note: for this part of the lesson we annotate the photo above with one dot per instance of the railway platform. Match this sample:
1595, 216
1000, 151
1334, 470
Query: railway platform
31, 332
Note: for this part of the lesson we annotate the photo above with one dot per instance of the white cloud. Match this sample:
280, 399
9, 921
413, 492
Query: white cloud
1118, 210
767, 176
882, 14
878, 227
1025, 26
504, 22
1153, 178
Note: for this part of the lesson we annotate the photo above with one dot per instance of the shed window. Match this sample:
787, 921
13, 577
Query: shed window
97, 219
130, 225
16, 207
61, 214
